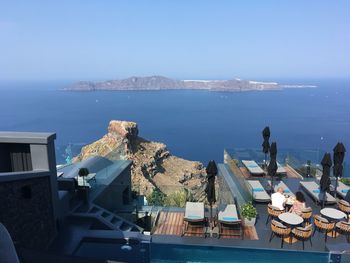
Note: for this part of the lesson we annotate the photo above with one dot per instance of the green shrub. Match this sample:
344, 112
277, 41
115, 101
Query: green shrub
345, 181
248, 211
156, 198
178, 198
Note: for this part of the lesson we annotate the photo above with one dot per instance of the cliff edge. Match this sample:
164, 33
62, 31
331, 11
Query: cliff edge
153, 165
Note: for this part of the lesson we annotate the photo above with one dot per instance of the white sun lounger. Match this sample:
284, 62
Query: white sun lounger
313, 189
278, 184
280, 169
253, 167
258, 191
228, 218
194, 217
342, 189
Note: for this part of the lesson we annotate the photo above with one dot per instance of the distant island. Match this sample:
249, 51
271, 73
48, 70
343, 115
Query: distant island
163, 83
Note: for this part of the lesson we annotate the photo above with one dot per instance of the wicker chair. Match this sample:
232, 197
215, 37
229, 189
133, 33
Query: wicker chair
279, 230
343, 228
323, 225
344, 206
306, 214
273, 212
303, 233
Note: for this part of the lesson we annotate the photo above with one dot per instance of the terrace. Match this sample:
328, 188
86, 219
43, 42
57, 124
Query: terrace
102, 220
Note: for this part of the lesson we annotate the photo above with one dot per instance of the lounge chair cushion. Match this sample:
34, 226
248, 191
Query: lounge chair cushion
194, 211
306, 228
322, 219
343, 202
278, 224
229, 214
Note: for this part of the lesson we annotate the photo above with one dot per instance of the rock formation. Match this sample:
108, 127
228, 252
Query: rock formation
153, 165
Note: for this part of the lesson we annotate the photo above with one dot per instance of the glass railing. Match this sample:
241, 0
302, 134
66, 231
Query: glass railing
306, 162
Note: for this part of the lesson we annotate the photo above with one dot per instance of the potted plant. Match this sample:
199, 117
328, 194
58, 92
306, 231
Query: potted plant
249, 213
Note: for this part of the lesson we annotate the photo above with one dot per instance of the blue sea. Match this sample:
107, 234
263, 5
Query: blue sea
195, 125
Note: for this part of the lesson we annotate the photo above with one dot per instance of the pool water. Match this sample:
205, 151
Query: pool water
161, 253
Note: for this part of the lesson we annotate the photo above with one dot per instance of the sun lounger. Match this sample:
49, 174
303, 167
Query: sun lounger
313, 189
280, 169
278, 184
194, 218
258, 191
342, 189
228, 218
253, 167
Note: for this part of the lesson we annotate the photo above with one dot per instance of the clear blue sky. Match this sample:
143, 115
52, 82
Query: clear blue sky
44, 40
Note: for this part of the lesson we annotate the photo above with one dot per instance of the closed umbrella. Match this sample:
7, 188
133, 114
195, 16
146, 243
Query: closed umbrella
325, 181
272, 168
338, 158
266, 144
212, 171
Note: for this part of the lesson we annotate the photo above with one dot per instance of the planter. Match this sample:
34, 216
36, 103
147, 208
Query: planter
249, 222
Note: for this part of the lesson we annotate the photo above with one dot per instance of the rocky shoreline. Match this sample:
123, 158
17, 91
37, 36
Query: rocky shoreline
153, 165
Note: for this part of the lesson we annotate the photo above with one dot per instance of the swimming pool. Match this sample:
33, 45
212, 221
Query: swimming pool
161, 253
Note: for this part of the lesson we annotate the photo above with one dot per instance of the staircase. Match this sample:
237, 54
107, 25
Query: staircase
110, 220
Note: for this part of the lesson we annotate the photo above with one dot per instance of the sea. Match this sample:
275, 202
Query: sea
195, 125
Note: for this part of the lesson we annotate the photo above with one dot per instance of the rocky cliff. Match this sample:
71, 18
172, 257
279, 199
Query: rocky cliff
153, 165
163, 83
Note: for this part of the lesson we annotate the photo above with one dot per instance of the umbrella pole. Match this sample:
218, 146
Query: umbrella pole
336, 186
211, 216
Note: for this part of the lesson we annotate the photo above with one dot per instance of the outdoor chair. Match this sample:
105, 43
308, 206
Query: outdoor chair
344, 206
343, 228
194, 218
228, 219
273, 212
323, 225
303, 234
306, 214
279, 230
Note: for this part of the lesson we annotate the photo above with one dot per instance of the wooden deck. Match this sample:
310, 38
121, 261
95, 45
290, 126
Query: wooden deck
170, 223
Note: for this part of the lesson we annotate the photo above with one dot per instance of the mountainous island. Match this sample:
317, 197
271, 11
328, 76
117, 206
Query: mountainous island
154, 167
163, 83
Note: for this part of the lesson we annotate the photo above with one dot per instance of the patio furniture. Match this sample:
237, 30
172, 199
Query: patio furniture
344, 206
258, 192
313, 189
280, 169
303, 234
333, 213
279, 230
287, 191
228, 218
343, 228
253, 167
323, 225
194, 218
342, 189
306, 214
273, 212
292, 220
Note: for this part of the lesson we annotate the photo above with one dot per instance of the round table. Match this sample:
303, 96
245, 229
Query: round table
293, 220
334, 215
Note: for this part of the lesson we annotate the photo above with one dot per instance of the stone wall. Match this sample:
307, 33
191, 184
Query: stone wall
26, 211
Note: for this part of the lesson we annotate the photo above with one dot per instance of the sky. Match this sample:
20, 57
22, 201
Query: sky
182, 39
